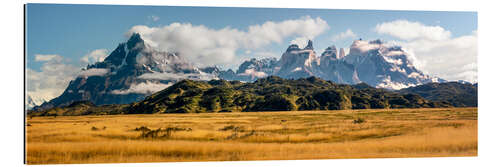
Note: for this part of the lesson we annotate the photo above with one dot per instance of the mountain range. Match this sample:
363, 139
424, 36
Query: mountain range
273, 94
135, 70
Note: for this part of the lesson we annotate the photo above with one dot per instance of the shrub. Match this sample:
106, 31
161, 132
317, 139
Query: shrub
358, 121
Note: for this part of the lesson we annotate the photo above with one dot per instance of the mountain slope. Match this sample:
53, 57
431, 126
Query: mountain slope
457, 94
33, 102
273, 94
131, 72
135, 70
372, 62
385, 66
265, 94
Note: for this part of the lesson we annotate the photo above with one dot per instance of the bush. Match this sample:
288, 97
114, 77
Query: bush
358, 121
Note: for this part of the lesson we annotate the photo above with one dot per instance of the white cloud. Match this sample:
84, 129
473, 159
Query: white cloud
97, 55
434, 50
407, 30
177, 76
154, 17
344, 35
93, 72
253, 73
300, 41
52, 78
143, 88
205, 46
360, 46
40, 58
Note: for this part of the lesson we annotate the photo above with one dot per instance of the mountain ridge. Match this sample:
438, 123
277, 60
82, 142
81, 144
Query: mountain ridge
265, 94
135, 70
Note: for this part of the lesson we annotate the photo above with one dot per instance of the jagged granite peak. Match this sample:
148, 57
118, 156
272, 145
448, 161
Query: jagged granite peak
293, 47
251, 70
330, 51
297, 63
341, 53
309, 45
132, 71
385, 66
372, 62
265, 64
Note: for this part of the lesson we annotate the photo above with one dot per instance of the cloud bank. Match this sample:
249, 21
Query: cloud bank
97, 55
435, 51
406, 30
143, 88
206, 46
52, 78
94, 72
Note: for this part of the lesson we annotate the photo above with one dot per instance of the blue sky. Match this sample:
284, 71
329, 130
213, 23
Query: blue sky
75, 30
61, 37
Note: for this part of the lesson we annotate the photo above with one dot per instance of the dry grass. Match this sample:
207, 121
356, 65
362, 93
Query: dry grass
253, 136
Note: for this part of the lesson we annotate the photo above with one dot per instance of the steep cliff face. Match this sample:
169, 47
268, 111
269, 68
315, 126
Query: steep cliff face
131, 72
134, 70
373, 62
385, 66
298, 63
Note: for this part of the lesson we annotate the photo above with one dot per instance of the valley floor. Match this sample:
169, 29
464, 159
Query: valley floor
252, 136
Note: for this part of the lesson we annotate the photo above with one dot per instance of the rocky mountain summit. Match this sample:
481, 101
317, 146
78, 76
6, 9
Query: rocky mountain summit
131, 72
372, 62
135, 70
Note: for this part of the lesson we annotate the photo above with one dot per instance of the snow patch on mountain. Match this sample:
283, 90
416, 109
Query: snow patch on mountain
31, 101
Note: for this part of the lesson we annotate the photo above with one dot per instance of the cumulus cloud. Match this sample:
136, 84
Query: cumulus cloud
147, 87
300, 41
253, 73
360, 46
434, 50
344, 35
407, 30
206, 46
52, 78
41, 58
97, 55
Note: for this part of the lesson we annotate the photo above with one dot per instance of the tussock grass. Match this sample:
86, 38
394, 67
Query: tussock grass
253, 136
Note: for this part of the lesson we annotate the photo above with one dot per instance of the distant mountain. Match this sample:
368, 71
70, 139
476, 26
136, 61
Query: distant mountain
251, 70
135, 70
372, 62
33, 102
265, 94
131, 72
456, 93
385, 66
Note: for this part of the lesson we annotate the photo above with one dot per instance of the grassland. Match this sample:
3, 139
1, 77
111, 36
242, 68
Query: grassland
252, 136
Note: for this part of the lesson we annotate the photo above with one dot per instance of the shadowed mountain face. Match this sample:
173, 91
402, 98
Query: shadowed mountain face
131, 72
371, 62
135, 70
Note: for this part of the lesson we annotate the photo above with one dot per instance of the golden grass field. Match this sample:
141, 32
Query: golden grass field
252, 136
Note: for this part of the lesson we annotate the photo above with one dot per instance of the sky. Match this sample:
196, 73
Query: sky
61, 39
